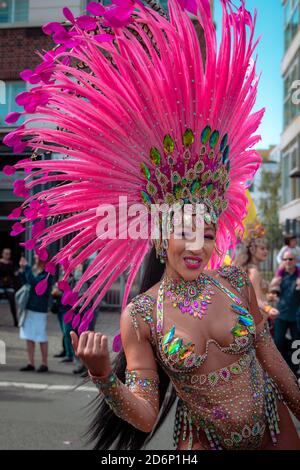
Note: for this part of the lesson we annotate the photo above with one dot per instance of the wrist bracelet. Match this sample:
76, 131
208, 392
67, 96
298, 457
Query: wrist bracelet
104, 382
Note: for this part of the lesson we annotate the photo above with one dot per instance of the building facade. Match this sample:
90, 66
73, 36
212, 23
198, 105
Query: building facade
271, 164
290, 140
20, 37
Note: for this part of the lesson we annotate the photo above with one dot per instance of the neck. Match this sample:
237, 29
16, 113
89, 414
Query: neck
254, 261
174, 279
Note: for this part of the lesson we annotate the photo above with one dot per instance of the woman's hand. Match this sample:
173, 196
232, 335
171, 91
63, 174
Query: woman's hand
92, 349
273, 313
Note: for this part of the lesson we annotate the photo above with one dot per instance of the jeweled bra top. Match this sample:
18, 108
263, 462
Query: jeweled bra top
179, 355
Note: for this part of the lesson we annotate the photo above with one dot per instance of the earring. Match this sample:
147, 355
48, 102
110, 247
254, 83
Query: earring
163, 256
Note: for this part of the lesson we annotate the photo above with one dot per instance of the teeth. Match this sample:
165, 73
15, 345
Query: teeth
192, 261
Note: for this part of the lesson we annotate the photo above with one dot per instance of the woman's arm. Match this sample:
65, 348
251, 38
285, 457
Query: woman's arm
136, 401
272, 361
266, 309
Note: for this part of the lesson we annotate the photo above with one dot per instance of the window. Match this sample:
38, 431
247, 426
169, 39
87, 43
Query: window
13, 11
286, 180
291, 109
291, 19
12, 89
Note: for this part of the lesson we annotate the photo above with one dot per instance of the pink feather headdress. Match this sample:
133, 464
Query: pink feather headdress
126, 97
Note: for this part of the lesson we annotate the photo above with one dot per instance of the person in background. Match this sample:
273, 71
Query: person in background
60, 309
290, 244
288, 305
254, 251
7, 276
34, 328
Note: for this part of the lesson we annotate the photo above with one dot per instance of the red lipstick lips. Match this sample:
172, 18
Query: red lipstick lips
192, 262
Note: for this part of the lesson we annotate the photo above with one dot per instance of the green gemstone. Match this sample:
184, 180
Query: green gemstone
239, 330
175, 346
177, 191
146, 198
188, 138
209, 188
155, 156
195, 186
169, 336
224, 142
236, 369
214, 139
213, 378
225, 154
169, 144
186, 351
205, 135
145, 171
184, 181
236, 437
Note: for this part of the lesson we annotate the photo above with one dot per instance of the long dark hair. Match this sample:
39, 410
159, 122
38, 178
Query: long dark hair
106, 430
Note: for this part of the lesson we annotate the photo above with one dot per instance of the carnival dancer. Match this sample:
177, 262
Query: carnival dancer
253, 250
141, 117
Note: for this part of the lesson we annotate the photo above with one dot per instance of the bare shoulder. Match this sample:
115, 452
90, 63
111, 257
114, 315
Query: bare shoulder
153, 291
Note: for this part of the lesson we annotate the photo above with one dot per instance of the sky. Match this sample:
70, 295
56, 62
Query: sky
270, 51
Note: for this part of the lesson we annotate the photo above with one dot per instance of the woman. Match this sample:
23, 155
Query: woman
7, 276
253, 251
160, 126
34, 327
222, 390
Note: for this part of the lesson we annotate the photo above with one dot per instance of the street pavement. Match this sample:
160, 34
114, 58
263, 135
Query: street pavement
40, 411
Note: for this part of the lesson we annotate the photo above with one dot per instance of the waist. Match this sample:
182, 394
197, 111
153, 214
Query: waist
236, 419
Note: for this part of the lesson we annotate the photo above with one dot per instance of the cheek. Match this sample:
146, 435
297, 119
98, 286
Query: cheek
176, 248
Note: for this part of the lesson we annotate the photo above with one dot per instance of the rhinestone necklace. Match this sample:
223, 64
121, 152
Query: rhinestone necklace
191, 297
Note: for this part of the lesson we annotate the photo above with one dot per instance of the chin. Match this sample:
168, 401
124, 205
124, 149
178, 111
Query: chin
190, 274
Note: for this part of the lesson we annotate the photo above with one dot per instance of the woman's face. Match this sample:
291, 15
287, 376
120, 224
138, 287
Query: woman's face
189, 261
261, 252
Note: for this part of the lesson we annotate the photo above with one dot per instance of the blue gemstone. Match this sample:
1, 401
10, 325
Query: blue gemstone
247, 321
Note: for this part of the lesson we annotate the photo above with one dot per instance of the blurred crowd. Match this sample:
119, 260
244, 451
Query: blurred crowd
30, 303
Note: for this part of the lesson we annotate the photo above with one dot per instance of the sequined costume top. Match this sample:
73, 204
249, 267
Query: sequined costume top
228, 407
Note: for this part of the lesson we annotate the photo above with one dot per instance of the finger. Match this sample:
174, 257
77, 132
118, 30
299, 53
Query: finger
74, 339
104, 345
97, 343
90, 342
82, 342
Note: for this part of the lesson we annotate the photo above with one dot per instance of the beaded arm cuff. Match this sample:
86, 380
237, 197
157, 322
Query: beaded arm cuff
274, 364
136, 401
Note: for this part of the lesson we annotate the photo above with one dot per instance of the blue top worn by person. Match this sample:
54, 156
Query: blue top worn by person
289, 302
36, 303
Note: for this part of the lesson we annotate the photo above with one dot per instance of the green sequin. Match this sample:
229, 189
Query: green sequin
195, 186
145, 171
175, 346
155, 156
214, 139
178, 191
146, 198
188, 138
169, 144
205, 135
224, 142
